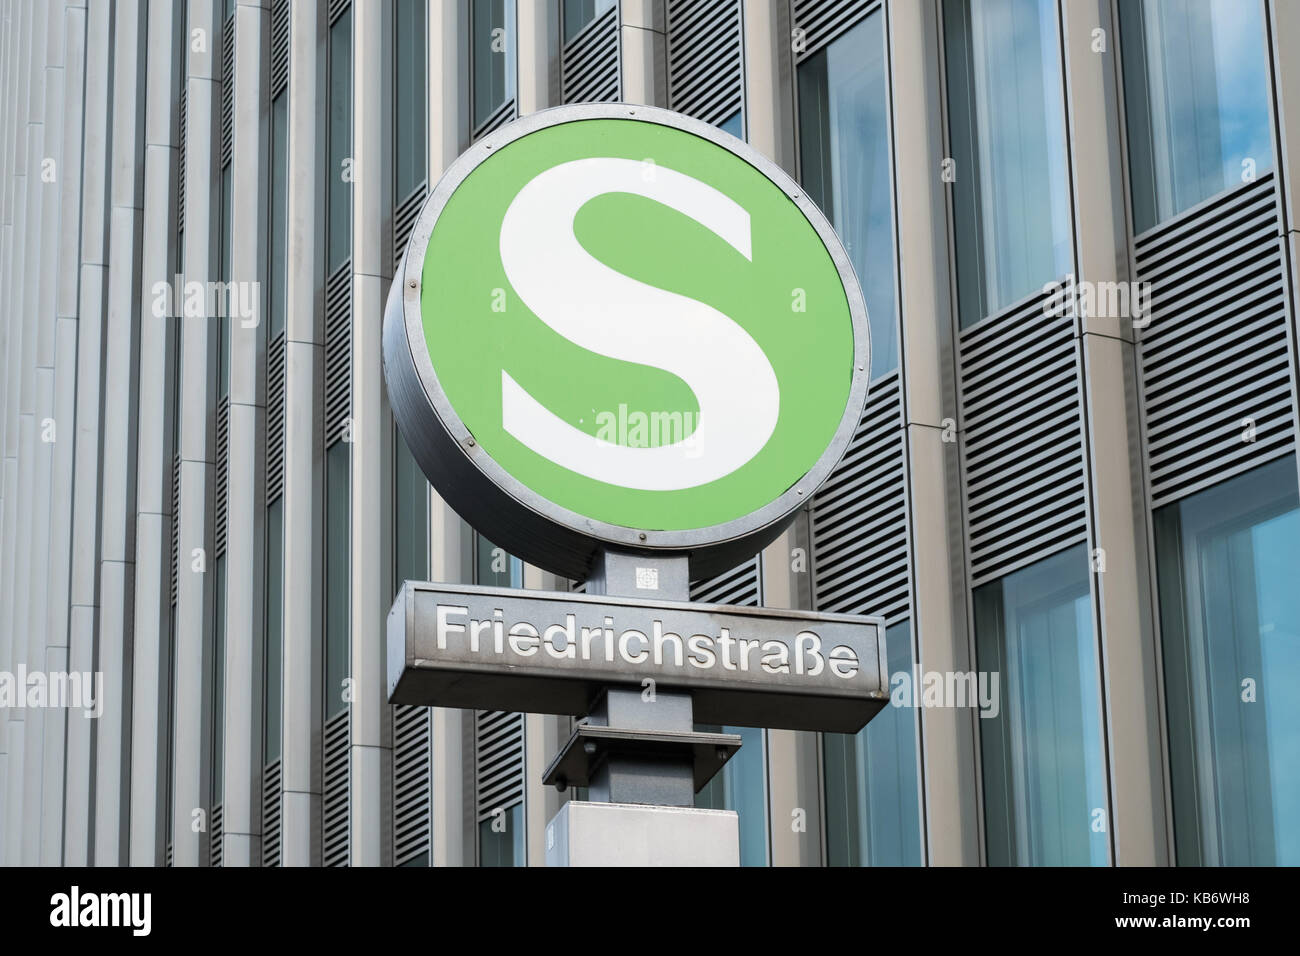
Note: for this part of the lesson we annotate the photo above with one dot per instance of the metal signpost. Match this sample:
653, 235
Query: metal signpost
627, 348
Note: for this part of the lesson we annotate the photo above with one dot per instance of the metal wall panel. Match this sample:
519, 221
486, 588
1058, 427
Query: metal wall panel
589, 70
859, 518
1215, 357
705, 56
1022, 439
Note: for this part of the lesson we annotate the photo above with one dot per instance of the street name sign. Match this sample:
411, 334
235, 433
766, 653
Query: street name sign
551, 653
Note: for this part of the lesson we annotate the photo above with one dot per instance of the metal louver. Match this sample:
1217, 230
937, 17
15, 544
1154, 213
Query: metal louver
404, 216
338, 352
1022, 439
739, 586
705, 76
275, 418
214, 832
182, 119
859, 518
498, 761
504, 114
176, 525
227, 89
336, 786
271, 787
1214, 362
815, 23
412, 783
589, 63
279, 47
223, 473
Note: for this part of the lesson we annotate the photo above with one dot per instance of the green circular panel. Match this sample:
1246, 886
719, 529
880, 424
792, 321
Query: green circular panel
745, 309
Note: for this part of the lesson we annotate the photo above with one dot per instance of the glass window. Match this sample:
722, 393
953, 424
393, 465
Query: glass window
492, 32
337, 552
734, 125
501, 839
844, 158
274, 629
1196, 101
279, 201
873, 812
493, 566
339, 191
578, 13
411, 529
409, 96
1228, 562
1007, 127
742, 786
1044, 774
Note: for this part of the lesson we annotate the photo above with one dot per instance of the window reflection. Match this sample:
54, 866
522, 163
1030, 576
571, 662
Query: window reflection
872, 803
1228, 561
492, 32
1044, 775
1007, 127
578, 13
1196, 101
844, 155
741, 785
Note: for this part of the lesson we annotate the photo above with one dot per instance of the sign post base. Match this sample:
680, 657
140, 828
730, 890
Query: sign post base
626, 834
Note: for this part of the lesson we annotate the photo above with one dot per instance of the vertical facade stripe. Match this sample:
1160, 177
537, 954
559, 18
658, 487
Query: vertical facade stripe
150, 694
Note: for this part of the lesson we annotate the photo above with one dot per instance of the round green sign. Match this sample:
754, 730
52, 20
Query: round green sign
633, 328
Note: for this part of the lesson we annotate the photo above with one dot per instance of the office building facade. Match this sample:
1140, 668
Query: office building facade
1072, 495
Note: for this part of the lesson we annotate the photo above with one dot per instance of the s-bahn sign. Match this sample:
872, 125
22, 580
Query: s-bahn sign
617, 328
616, 325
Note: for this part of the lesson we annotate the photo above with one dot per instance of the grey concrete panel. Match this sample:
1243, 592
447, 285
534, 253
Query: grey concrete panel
614, 834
